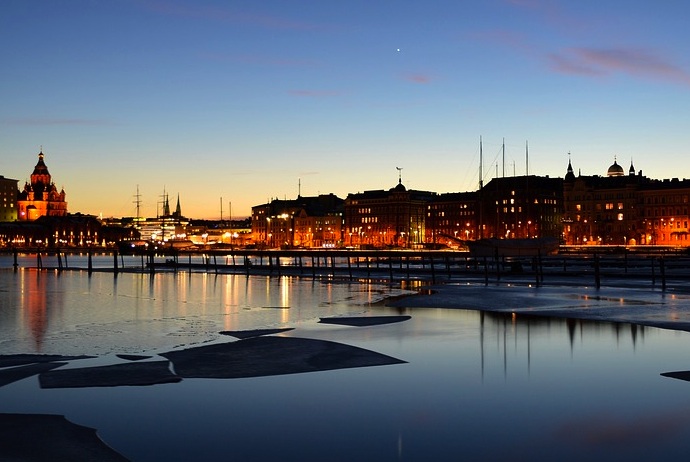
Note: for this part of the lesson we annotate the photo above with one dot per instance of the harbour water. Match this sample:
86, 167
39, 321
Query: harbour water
460, 384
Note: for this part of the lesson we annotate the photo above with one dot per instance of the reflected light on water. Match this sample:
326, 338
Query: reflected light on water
470, 385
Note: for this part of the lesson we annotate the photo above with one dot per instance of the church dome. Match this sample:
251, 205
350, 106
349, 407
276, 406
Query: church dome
400, 188
615, 170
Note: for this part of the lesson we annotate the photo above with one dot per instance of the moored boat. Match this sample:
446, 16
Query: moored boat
492, 247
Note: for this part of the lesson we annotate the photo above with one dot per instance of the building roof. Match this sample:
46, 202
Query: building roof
615, 170
40, 168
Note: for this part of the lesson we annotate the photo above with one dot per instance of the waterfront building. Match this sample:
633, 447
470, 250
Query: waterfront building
664, 212
603, 209
8, 199
452, 218
229, 233
315, 221
40, 197
621, 209
521, 207
72, 230
387, 218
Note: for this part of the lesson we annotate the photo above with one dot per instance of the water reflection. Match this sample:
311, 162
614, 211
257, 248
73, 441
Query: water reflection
134, 313
514, 336
31, 302
473, 385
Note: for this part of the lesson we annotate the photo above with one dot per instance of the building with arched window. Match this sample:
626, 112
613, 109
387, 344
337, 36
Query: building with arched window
619, 209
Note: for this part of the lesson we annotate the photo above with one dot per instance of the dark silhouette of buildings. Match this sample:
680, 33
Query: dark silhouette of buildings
615, 209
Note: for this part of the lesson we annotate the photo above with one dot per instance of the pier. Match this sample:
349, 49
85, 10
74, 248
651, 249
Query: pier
593, 268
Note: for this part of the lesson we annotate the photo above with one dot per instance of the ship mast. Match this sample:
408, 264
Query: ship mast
481, 185
504, 159
137, 201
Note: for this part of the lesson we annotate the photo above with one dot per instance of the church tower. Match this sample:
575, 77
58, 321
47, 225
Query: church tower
40, 197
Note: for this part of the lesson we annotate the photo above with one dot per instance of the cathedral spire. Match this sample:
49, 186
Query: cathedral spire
569, 175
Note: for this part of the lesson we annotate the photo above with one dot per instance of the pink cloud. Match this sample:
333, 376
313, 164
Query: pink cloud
505, 38
417, 78
602, 62
553, 15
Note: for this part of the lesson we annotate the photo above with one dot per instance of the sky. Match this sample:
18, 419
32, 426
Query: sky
230, 104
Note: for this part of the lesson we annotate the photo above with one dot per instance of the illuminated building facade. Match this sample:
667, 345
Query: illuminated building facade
521, 207
40, 196
664, 212
8, 199
392, 218
310, 222
621, 209
452, 218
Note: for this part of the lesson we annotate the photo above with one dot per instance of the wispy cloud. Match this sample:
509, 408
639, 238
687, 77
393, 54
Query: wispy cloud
554, 15
417, 78
314, 93
224, 14
505, 38
608, 61
31, 121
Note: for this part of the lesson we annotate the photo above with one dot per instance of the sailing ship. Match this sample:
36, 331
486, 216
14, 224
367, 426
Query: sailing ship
509, 247
493, 247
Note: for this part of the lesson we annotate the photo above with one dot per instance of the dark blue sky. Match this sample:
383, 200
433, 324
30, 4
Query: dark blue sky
244, 100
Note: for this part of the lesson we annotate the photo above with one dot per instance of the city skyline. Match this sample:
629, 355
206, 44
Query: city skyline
249, 102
